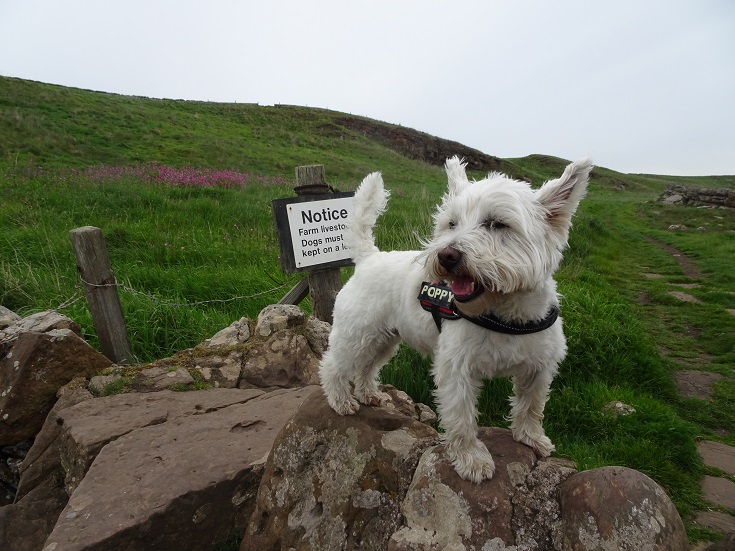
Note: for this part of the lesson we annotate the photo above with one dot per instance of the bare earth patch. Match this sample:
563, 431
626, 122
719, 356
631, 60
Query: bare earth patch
685, 297
687, 266
696, 384
686, 285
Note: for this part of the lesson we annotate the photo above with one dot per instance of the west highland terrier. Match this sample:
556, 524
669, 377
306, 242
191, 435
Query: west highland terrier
493, 309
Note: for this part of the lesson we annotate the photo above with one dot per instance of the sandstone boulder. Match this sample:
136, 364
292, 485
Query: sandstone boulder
24, 526
7, 317
222, 370
378, 480
238, 332
517, 509
677, 194
89, 426
336, 482
40, 322
40, 496
31, 372
185, 483
443, 511
284, 360
277, 317
618, 508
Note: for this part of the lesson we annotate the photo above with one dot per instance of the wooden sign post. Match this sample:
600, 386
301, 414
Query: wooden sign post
310, 231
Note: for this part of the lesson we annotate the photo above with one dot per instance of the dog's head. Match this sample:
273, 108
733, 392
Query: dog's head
497, 236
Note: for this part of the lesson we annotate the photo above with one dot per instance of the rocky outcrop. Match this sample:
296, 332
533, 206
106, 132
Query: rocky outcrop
216, 433
185, 483
443, 511
618, 508
378, 480
677, 194
260, 453
39, 355
8, 317
40, 498
336, 482
424, 147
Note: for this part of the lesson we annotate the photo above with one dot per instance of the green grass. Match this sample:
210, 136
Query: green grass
178, 248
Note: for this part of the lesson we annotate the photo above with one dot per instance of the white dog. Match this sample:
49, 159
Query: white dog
497, 243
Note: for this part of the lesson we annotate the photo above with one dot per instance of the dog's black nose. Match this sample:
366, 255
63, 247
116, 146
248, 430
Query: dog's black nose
449, 257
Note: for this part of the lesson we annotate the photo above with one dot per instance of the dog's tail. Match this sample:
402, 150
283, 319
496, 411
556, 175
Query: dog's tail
370, 201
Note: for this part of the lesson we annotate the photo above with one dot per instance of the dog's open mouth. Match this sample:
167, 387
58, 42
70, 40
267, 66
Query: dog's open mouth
465, 288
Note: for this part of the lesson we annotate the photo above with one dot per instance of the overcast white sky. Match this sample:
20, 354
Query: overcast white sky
642, 86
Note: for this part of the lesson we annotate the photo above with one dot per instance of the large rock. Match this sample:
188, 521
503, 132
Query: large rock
284, 360
618, 508
221, 370
336, 482
33, 370
43, 461
352, 483
677, 194
91, 425
185, 483
238, 332
277, 317
24, 526
40, 498
7, 317
443, 511
40, 322
516, 509
71, 438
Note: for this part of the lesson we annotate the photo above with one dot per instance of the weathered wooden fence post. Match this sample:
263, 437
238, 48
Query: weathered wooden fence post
323, 284
100, 289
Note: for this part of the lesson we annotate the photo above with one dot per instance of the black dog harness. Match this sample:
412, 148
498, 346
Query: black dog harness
438, 299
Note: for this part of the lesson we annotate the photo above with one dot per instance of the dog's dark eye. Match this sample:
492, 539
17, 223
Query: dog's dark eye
494, 225
451, 224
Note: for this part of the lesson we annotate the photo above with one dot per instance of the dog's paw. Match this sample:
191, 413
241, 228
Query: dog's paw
540, 443
372, 398
475, 464
344, 406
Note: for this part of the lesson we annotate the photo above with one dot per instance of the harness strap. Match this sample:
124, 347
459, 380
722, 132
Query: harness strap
438, 299
488, 321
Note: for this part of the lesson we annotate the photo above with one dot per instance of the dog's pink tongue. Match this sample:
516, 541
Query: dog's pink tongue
461, 286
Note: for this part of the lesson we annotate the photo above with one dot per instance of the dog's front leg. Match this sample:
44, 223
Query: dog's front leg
456, 396
531, 391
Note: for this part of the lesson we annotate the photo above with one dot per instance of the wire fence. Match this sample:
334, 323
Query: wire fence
79, 295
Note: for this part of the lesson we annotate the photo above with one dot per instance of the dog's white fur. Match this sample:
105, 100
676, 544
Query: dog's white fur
497, 233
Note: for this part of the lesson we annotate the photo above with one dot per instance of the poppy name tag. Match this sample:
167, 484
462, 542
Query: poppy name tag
436, 295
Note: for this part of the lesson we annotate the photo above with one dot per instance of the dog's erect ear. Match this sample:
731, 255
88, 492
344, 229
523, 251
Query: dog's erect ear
456, 174
562, 196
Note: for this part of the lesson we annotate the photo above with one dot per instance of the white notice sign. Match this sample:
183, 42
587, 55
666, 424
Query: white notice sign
317, 230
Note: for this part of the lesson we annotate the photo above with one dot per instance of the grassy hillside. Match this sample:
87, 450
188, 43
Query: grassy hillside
58, 126
182, 192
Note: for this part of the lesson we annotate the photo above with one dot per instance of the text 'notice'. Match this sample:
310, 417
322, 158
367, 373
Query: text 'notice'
317, 231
